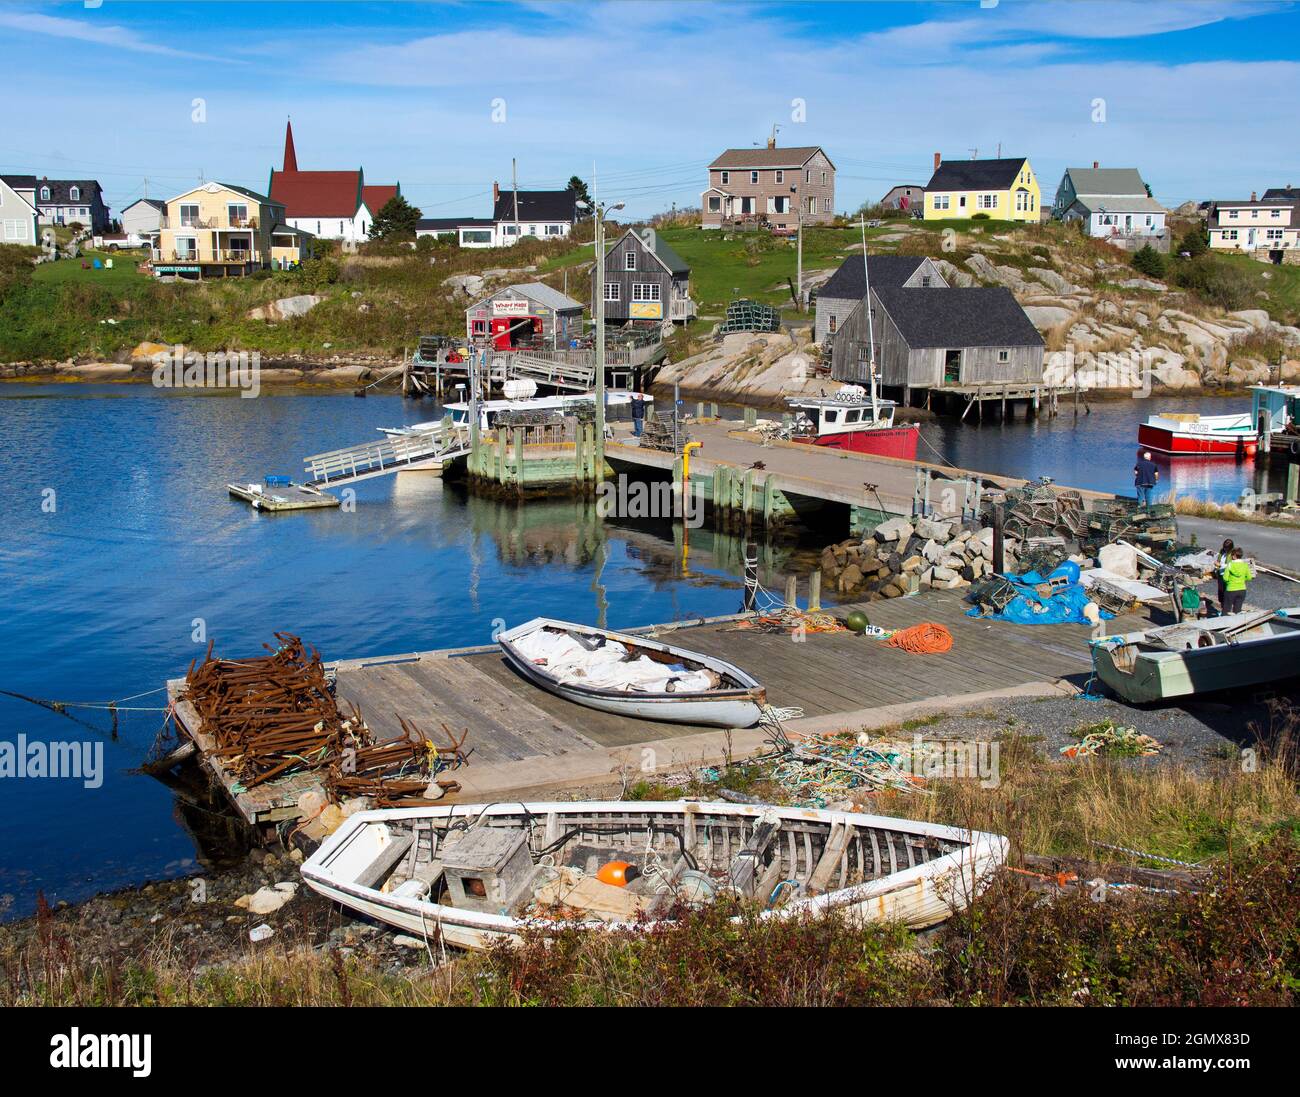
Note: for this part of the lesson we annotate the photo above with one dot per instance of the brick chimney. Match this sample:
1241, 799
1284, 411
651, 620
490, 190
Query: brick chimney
496, 194
1095, 165
1252, 197
771, 142
938, 159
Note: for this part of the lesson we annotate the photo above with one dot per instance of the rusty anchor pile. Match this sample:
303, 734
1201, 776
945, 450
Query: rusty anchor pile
276, 714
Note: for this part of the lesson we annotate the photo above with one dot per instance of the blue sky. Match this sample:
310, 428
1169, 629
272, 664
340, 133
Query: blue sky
1198, 94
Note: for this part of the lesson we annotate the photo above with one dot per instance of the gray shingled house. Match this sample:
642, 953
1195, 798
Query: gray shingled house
844, 291
645, 279
926, 334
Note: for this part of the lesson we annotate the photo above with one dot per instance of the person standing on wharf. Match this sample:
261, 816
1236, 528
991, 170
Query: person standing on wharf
1145, 475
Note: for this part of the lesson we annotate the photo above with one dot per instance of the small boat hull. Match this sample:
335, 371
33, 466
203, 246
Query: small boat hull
1143, 674
1208, 436
899, 442
739, 707
914, 873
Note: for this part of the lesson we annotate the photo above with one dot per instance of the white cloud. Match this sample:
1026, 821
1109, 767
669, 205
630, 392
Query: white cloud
87, 31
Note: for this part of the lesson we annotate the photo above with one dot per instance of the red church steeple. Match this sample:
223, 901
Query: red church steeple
290, 157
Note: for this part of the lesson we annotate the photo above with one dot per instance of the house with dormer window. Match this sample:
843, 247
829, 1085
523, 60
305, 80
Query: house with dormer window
72, 202
1001, 190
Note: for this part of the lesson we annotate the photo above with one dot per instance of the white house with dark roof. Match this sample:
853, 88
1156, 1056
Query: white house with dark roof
18, 215
777, 185
545, 214
1112, 204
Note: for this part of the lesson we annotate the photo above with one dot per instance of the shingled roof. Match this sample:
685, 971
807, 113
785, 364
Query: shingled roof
976, 174
60, 188
951, 318
536, 205
796, 156
848, 282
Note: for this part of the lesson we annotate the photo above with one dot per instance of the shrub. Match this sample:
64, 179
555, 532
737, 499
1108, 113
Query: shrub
1219, 283
1148, 261
1194, 242
979, 217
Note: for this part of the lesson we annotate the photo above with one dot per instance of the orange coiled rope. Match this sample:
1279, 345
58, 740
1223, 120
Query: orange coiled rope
927, 639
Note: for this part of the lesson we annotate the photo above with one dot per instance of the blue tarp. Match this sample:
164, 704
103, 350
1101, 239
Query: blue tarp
1029, 607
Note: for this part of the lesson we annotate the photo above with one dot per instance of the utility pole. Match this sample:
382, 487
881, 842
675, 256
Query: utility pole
514, 184
798, 210
599, 212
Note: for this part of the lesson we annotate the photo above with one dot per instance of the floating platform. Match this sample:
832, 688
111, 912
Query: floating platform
279, 497
524, 741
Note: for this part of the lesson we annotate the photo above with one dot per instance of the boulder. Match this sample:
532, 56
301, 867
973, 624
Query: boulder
1046, 317
933, 529
286, 307
850, 577
1120, 559
895, 529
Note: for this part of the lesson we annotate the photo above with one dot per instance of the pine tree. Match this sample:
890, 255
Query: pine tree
397, 220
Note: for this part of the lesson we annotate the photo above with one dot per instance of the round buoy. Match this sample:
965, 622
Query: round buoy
857, 622
617, 873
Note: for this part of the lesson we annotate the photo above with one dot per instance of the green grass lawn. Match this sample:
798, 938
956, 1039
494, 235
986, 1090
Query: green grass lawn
70, 270
1282, 285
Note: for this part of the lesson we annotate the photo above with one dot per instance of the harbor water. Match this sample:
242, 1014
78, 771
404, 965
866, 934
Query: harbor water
122, 556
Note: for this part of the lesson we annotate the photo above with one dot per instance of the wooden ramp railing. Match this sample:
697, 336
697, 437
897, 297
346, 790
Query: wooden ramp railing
353, 463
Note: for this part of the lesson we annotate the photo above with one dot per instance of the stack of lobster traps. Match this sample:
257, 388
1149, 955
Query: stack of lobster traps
1114, 520
1039, 509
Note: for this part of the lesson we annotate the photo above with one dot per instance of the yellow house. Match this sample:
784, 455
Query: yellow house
1002, 190
218, 230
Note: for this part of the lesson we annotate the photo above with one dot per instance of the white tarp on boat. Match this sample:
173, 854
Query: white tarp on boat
607, 666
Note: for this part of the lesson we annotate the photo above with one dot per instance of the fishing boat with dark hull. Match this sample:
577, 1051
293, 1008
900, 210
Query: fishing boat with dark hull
471, 875
1239, 649
633, 675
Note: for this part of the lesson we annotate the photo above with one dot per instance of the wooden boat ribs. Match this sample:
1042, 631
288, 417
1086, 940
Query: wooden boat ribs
276, 714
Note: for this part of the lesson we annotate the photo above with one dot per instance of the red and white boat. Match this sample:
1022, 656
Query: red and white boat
1181, 434
853, 420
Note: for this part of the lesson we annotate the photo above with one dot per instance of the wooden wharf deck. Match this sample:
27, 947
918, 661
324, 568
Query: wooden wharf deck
522, 738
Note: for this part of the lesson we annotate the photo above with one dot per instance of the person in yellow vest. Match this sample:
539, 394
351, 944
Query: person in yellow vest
1235, 577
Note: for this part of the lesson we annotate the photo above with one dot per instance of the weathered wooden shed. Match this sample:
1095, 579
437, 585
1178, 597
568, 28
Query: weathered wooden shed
529, 315
935, 339
844, 290
645, 279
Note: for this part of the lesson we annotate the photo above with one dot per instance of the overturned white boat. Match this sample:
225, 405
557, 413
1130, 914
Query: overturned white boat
472, 874
633, 676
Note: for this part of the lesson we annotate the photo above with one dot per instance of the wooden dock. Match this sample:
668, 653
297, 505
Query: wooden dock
282, 497
523, 740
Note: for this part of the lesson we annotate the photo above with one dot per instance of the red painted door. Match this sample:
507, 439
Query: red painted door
499, 329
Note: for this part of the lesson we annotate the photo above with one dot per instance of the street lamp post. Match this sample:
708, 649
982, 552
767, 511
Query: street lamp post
798, 278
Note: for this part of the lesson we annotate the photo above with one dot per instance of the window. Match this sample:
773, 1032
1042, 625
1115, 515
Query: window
826, 205
823, 179
612, 291
1150, 220
237, 212
1022, 201
807, 176
629, 260
726, 178
187, 247
812, 205
830, 415
74, 194
190, 216
476, 236
925, 280
13, 230
1275, 214
852, 416
986, 201
780, 204
961, 202
832, 323
1004, 356
1273, 234
753, 177
45, 194
1230, 234
780, 176
554, 230
1232, 215
715, 204
941, 201
645, 291
479, 327
509, 230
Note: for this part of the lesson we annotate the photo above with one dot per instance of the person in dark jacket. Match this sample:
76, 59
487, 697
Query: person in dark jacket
1145, 476
638, 413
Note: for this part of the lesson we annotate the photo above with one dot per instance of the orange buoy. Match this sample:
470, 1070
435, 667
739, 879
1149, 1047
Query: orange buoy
617, 873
